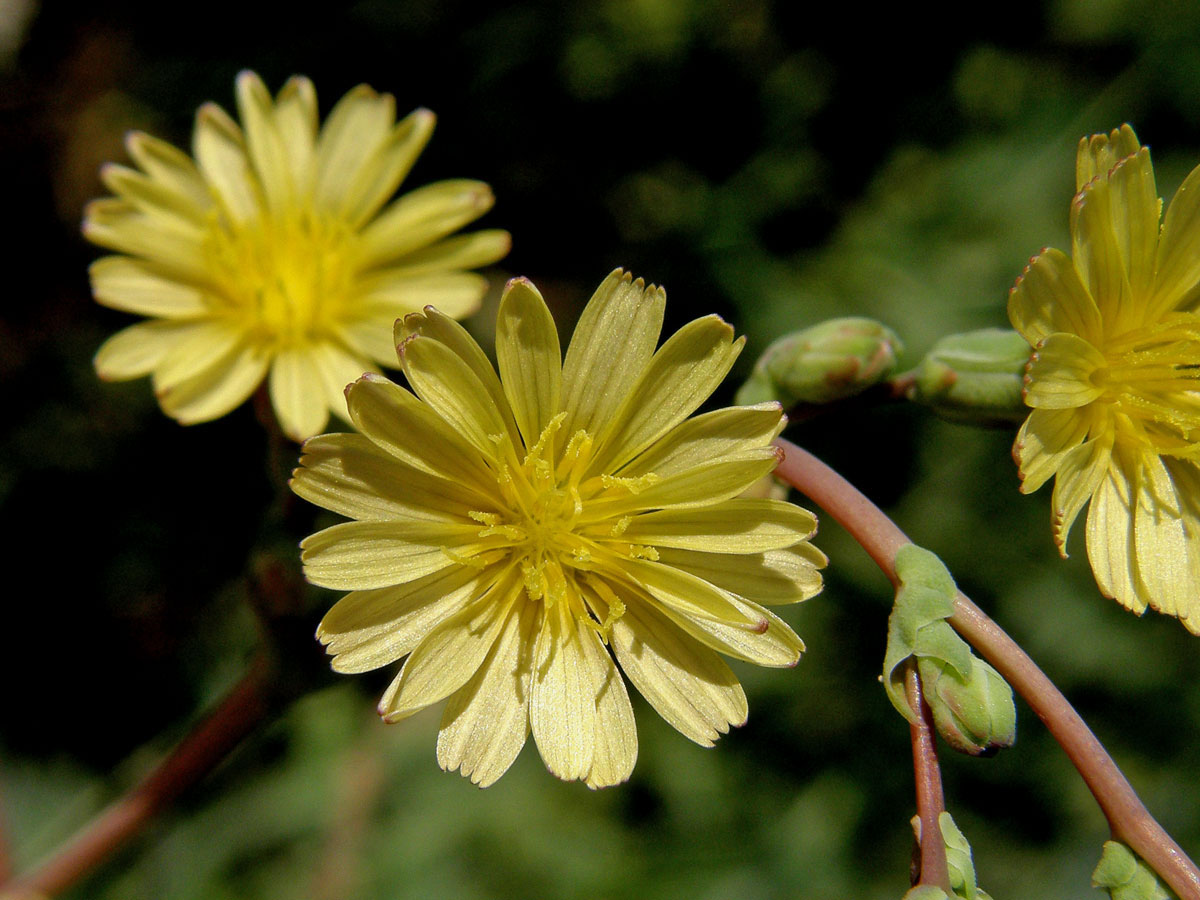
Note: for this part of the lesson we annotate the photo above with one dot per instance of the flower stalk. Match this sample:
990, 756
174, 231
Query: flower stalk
1129, 820
931, 802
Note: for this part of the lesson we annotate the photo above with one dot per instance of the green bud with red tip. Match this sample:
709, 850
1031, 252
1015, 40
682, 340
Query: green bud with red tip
822, 364
976, 377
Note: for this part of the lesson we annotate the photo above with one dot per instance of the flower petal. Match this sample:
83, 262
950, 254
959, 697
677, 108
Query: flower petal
1099, 153
372, 628
220, 153
681, 375
1097, 255
614, 743
221, 385
422, 217
1110, 540
1163, 548
613, 343
773, 578
530, 358
727, 433
448, 385
1065, 372
139, 349
1044, 439
687, 683
1177, 285
451, 653
1079, 474
735, 526
357, 127
147, 288
463, 251
351, 476
1049, 297
486, 722
398, 422
357, 556
1136, 210
298, 395
562, 711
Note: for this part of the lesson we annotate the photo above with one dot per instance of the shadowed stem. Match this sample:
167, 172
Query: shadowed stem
244, 707
928, 776
1128, 818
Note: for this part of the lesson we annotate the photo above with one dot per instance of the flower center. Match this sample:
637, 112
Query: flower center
1152, 381
286, 277
543, 526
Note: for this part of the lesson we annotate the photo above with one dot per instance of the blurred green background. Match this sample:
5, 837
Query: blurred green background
777, 163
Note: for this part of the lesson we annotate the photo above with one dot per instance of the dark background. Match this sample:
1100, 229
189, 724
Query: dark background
777, 163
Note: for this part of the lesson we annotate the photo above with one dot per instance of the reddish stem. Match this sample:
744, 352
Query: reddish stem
210, 742
930, 801
1128, 818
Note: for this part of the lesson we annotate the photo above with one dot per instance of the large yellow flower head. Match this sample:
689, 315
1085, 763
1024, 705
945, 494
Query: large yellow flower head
518, 537
273, 253
1114, 379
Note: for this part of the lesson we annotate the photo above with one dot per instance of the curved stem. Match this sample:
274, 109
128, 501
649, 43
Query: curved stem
211, 741
1128, 818
928, 776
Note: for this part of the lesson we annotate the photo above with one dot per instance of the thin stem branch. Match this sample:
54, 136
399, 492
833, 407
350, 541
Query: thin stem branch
211, 741
1128, 818
928, 776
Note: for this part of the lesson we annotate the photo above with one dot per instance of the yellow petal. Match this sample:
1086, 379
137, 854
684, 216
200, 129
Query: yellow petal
336, 367
1079, 474
1043, 440
296, 120
349, 475
1110, 540
735, 526
220, 153
389, 293
381, 173
687, 683
171, 243
464, 251
446, 383
530, 358
486, 722
355, 556
562, 710
773, 578
223, 384
139, 349
1161, 542
1136, 211
203, 344
422, 217
1178, 261
724, 433
1065, 372
450, 654
680, 376
398, 422
614, 743
1049, 297
297, 394
147, 288
356, 129
170, 167
436, 325
777, 646
265, 147
369, 629
1100, 152
612, 345
1097, 255
158, 201
686, 595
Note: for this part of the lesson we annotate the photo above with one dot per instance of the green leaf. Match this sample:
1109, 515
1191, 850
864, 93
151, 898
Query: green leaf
1126, 876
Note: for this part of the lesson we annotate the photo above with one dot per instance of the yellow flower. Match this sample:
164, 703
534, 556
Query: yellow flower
1113, 378
273, 253
516, 534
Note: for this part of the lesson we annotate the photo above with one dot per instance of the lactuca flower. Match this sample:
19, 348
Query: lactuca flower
273, 253
1114, 378
520, 536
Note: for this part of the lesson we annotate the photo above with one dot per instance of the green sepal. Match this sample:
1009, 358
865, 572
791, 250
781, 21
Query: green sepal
926, 892
1126, 876
975, 376
917, 626
972, 705
830, 361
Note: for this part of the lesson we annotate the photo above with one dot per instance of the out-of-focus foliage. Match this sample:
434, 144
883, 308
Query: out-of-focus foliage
772, 162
